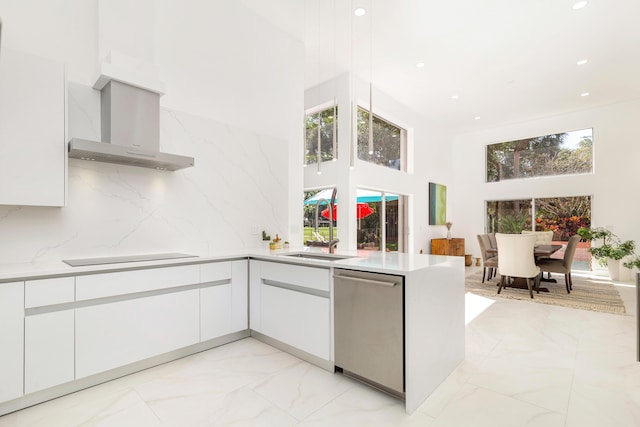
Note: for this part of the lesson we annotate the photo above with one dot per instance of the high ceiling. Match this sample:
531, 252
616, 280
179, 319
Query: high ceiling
506, 60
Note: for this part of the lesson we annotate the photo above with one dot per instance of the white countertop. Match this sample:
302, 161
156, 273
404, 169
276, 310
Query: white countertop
380, 262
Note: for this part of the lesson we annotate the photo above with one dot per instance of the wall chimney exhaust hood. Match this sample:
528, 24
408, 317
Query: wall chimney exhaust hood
130, 130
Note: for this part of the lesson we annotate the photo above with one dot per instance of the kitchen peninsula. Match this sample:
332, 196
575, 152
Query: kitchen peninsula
67, 328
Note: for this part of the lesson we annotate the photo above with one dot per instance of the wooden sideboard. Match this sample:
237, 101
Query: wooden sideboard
453, 247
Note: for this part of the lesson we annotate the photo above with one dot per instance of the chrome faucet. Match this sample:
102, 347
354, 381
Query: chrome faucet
332, 242
332, 245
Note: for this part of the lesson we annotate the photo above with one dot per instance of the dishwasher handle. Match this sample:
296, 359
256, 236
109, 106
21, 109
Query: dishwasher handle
367, 281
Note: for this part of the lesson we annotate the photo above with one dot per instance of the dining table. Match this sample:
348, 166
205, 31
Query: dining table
539, 251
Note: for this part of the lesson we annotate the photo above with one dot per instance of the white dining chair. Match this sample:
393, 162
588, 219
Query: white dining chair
516, 260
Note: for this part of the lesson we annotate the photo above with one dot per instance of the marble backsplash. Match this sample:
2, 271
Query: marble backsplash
238, 186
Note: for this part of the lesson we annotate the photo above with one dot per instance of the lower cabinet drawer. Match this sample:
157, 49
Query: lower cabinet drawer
104, 285
298, 319
116, 334
48, 350
216, 316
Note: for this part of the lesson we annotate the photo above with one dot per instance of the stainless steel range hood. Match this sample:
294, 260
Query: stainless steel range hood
130, 128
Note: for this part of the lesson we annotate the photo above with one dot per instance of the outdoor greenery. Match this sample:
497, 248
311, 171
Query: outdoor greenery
323, 231
563, 215
539, 156
387, 141
325, 120
513, 223
508, 216
611, 246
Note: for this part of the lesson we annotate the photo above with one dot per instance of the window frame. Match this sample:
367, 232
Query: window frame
554, 175
405, 132
320, 108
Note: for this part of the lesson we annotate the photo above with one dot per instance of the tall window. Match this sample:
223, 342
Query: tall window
557, 154
381, 221
562, 215
389, 142
316, 217
322, 121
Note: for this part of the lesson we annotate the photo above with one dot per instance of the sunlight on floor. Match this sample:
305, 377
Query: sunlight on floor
474, 305
624, 285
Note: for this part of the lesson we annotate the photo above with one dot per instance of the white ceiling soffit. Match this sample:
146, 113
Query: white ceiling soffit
505, 60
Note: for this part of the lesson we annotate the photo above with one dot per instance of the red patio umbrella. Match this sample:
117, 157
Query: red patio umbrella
363, 210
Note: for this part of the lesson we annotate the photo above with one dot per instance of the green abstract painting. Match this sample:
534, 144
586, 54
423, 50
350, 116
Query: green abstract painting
437, 204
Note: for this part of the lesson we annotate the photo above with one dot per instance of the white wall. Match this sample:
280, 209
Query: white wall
616, 159
429, 149
234, 100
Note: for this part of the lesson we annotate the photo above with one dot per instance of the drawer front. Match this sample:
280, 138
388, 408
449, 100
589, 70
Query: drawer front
116, 334
43, 292
303, 321
215, 271
127, 282
308, 277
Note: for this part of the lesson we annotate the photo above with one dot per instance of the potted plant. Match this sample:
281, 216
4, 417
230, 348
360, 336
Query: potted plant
611, 251
266, 239
633, 263
276, 243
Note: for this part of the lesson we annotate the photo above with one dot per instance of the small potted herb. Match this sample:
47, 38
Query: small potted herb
266, 239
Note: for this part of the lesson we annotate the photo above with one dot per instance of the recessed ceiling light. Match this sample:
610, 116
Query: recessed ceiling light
584, 94
420, 65
360, 11
579, 5
476, 118
455, 96
582, 62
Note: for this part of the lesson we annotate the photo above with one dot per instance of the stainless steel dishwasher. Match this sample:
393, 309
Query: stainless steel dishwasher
369, 328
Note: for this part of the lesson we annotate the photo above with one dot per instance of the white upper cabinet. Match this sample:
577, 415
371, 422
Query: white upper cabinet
33, 153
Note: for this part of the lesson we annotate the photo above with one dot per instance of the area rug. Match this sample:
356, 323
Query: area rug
587, 294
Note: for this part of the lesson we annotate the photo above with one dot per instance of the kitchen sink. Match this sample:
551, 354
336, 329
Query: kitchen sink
318, 256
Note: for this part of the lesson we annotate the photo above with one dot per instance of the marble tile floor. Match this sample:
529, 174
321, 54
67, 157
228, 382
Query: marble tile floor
526, 365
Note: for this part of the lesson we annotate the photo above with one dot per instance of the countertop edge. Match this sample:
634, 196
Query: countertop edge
389, 263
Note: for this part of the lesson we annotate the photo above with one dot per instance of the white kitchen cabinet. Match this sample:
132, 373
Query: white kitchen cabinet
240, 296
291, 303
48, 350
215, 311
11, 339
223, 307
298, 319
128, 282
33, 154
43, 292
114, 334
48, 335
